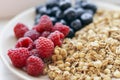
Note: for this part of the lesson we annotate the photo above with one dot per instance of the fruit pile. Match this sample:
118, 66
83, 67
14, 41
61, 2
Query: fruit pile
76, 17
37, 44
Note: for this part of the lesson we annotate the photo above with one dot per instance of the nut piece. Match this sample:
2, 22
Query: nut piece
97, 78
97, 64
117, 74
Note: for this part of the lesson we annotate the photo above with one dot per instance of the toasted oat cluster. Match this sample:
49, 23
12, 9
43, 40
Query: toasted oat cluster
93, 54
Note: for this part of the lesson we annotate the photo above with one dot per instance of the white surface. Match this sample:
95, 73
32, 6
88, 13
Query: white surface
6, 39
9, 8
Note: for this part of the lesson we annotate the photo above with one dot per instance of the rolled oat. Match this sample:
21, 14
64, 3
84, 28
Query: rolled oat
93, 54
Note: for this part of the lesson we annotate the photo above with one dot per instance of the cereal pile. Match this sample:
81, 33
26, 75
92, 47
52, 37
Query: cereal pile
93, 54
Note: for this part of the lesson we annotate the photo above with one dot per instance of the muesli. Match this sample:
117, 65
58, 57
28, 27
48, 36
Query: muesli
93, 54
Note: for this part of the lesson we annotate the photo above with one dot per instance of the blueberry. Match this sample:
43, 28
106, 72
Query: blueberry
54, 11
64, 5
89, 11
90, 6
59, 15
43, 10
76, 25
49, 12
63, 21
86, 18
52, 3
69, 14
79, 2
71, 33
37, 19
77, 6
79, 12
37, 9
53, 19
37, 16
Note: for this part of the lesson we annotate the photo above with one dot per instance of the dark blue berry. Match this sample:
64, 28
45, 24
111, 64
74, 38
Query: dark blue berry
59, 15
71, 33
37, 9
53, 19
90, 6
54, 10
43, 10
79, 12
36, 21
63, 21
77, 6
76, 25
70, 14
79, 2
48, 12
89, 11
64, 5
86, 18
37, 18
52, 3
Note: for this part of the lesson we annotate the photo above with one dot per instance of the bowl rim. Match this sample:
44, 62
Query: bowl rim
116, 7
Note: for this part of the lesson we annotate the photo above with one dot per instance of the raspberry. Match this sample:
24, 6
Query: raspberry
35, 66
62, 28
33, 34
18, 56
57, 38
45, 34
24, 42
45, 24
34, 28
34, 52
45, 47
20, 29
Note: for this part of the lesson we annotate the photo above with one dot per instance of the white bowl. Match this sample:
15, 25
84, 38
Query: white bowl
7, 39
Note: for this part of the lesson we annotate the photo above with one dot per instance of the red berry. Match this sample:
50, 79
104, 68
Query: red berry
20, 29
34, 28
45, 47
62, 28
45, 24
45, 34
24, 42
18, 56
35, 66
34, 52
33, 34
57, 38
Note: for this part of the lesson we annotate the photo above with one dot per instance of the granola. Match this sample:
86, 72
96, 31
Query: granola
93, 54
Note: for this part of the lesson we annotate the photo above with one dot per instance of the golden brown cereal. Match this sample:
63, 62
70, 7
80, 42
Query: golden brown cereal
93, 54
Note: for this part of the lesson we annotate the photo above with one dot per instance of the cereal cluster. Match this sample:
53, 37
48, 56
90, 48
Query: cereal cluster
93, 54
